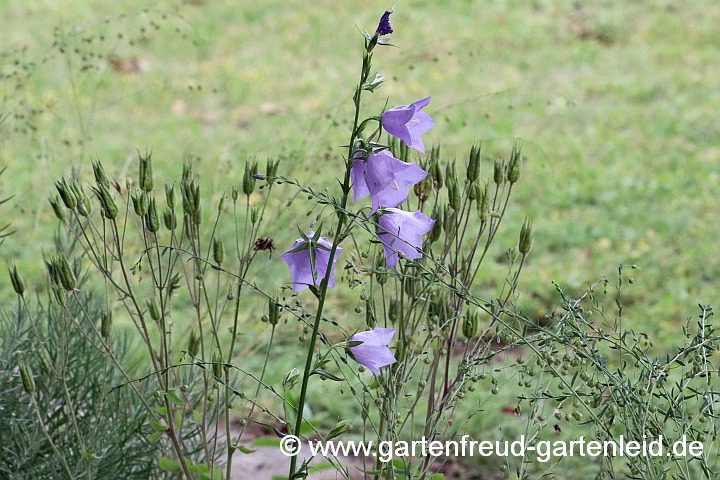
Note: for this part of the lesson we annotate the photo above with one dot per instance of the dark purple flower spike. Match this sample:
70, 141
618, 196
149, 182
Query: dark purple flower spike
373, 352
384, 27
401, 232
408, 122
385, 178
307, 260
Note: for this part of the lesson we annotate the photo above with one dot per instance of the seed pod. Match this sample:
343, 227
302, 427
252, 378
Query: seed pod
140, 203
99, 173
152, 221
79, 195
438, 226
380, 270
271, 170
394, 310
254, 215
66, 194
16, 280
109, 206
449, 221
473, 191
499, 172
26, 376
106, 324
470, 325
85, 207
437, 175
273, 311
341, 427
473, 168
193, 344
153, 309
483, 205
453, 194
526, 237
169, 219
197, 215
515, 165
146, 173
369, 315
217, 366
65, 273
170, 195
55, 204
59, 294
248, 179
423, 188
218, 251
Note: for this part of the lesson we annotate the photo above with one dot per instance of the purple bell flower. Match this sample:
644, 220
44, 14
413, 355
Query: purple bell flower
385, 179
401, 231
408, 122
300, 265
373, 352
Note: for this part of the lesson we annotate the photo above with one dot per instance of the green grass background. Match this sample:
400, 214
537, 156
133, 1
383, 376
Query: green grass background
616, 104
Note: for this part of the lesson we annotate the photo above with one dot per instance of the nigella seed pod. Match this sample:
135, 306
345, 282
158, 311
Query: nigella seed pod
526, 237
26, 376
193, 344
169, 219
170, 195
217, 367
218, 251
515, 165
394, 310
57, 209
99, 173
152, 221
146, 173
470, 325
66, 194
499, 172
483, 205
106, 324
153, 309
16, 280
369, 315
65, 273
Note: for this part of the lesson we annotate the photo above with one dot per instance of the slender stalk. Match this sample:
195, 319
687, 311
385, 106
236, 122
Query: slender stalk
47, 436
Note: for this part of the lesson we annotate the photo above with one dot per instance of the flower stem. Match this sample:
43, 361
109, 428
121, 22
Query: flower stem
338, 232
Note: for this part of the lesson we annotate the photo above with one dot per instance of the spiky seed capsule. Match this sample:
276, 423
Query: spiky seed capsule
17, 282
55, 204
65, 273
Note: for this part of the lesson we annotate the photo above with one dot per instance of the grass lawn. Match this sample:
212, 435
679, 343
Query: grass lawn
615, 103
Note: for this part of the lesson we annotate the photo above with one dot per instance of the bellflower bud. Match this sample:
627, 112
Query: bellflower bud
526, 237
16, 280
218, 251
26, 376
99, 173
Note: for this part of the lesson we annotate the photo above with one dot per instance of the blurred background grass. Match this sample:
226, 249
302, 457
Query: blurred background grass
615, 102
